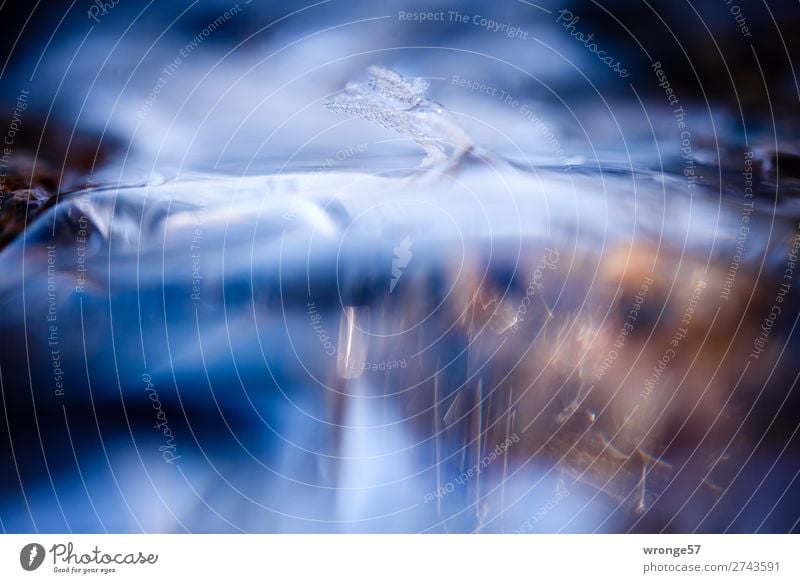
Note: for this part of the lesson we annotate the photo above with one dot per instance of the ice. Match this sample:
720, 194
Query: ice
398, 103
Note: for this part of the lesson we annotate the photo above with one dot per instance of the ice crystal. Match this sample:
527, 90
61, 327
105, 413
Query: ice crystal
398, 103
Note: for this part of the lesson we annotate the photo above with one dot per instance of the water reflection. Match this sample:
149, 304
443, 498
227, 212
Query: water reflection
276, 319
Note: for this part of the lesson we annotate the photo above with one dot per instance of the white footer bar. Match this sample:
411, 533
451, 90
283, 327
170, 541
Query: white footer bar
402, 558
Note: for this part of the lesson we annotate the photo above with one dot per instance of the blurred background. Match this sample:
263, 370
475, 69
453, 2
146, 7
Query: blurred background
229, 308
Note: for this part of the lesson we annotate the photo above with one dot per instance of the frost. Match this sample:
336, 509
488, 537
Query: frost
395, 87
398, 103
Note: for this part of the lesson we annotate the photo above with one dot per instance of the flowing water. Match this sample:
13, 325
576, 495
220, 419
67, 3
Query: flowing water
534, 337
